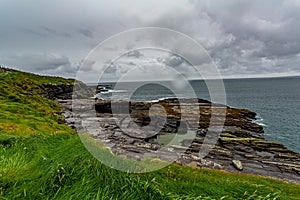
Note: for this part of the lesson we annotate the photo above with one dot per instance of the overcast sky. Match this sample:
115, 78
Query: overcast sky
244, 38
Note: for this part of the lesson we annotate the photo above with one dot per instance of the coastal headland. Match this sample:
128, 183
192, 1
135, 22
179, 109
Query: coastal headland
240, 147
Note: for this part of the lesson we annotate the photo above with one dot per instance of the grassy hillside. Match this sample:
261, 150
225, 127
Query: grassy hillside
42, 159
23, 111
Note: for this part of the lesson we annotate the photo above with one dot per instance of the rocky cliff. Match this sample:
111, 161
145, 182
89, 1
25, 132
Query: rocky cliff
66, 91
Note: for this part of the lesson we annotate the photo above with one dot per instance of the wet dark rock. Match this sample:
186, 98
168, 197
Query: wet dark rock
67, 91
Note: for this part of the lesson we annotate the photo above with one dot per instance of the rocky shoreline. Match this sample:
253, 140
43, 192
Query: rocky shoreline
240, 146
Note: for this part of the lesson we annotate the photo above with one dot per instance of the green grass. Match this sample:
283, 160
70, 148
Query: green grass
23, 110
59, 167
41, 159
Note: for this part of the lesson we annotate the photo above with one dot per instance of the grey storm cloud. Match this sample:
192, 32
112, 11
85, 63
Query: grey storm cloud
37, 61
243, 38
173, 60
87, 65
240, 35
41, 63
135, 54
56, 32
86, 32
33, 32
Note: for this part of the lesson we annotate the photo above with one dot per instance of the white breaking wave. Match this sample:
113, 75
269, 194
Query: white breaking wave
259, 120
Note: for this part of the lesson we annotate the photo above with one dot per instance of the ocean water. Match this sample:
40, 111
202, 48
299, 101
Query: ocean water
275, 100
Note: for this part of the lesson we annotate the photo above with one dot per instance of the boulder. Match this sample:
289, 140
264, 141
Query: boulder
237, 164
